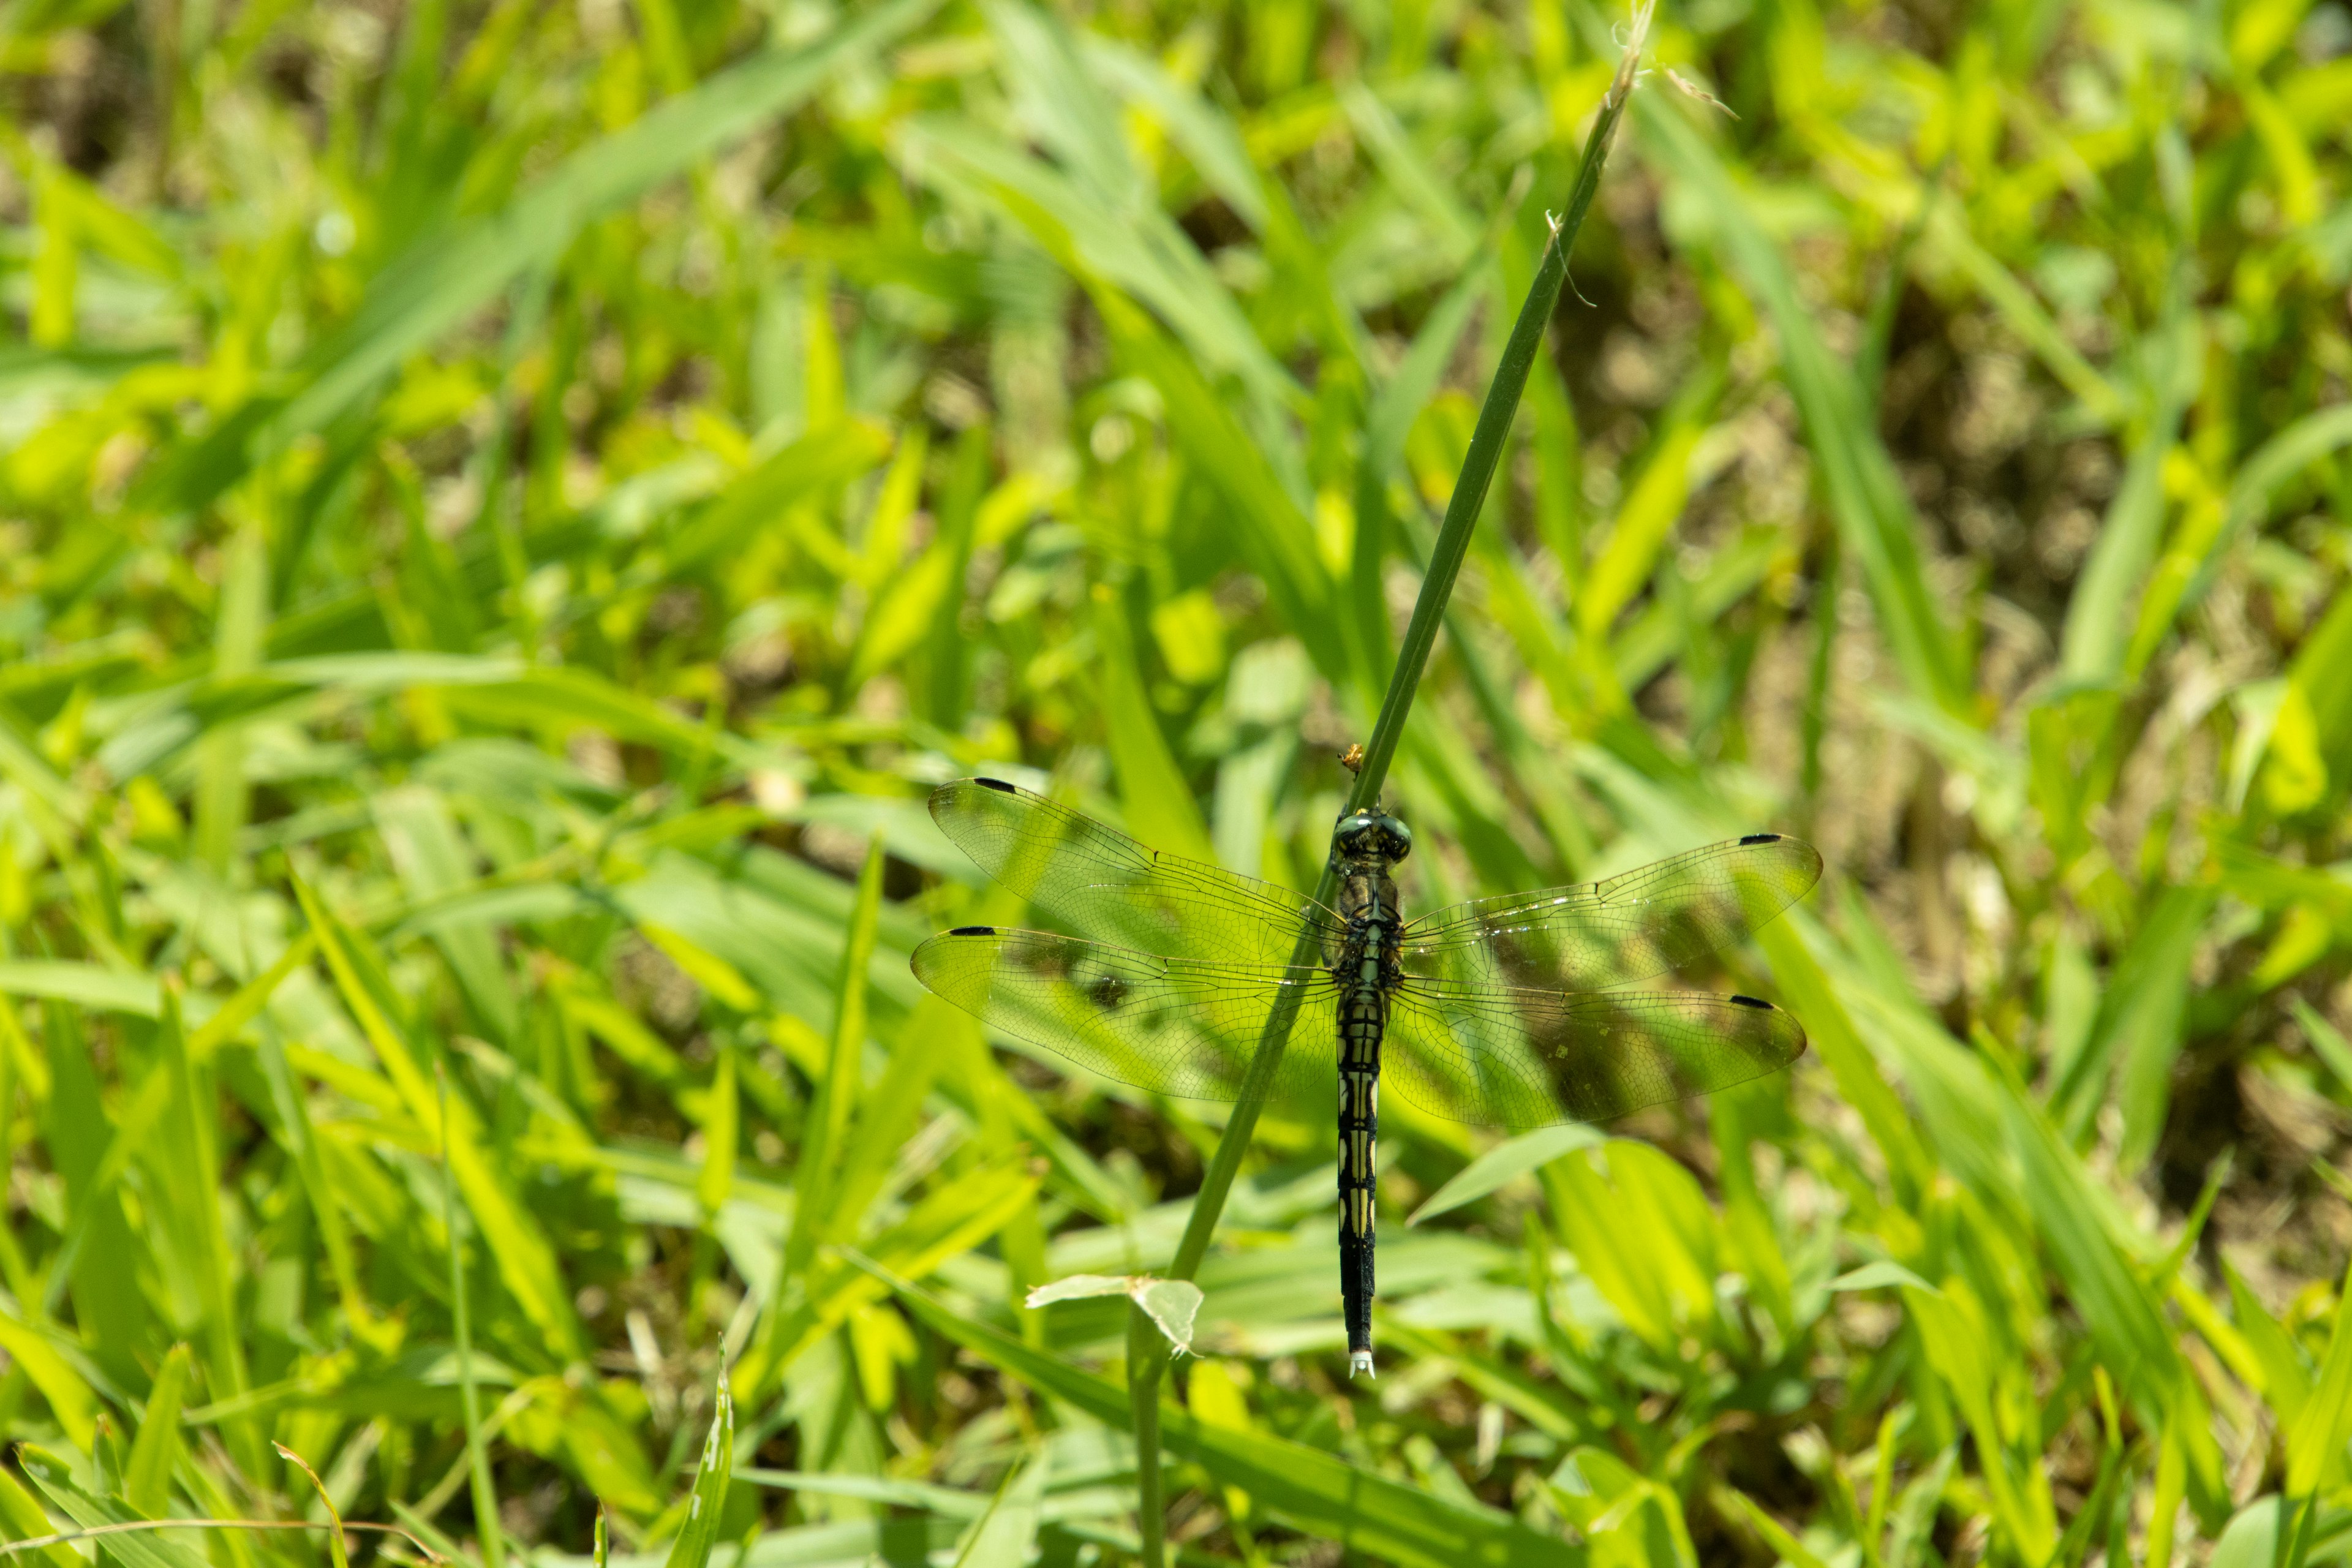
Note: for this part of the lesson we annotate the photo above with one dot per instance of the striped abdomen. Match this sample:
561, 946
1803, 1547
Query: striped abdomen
1363, 1016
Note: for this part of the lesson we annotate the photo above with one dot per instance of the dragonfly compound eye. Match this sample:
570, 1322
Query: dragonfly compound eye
1373, 834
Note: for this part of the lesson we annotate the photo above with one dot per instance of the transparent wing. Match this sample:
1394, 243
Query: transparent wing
1526, 1058
1630, 927
1178, 1026
1100, 882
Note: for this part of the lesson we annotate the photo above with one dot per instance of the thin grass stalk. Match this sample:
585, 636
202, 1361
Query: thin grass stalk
477, 1458
1487, 442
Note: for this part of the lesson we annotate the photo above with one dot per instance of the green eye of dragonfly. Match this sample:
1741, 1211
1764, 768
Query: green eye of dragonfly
1505, 1012
1373, 833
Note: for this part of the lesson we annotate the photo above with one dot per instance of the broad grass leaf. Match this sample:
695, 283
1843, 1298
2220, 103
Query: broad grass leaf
707, 1501
720, 1126
2284, 1375
1776, 1535
2314, 1444
1116, 224
1658, 633
1315, 1492
623, 1032
1879, 1276
1962, 1350
1006, 1535
2320, 676
70, 1398
155, 1452
1864, 494
515, 1240
2154, 1021
952, 1219
1269, 529
1653, 503
1210, 140
2098, 613
1539, 1401
818, 463
1641, 1230
184, 1159
929, 1040
704, 968
1947, 237
434, 860
839, 1088
1512, 1157
2079, 1230
2252, 1537
2199, 545
83, 984
2003, 1147
23, 1518
1160, 810
1628, 1521
138, 1549
2295, 771
1417, 186
239, 635
109, 1301
1790, 944
2326, 1041
23, 765
1214, 1396
446, 277
909, 605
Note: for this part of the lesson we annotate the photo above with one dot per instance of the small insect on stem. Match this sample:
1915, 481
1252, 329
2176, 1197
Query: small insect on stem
1352, 759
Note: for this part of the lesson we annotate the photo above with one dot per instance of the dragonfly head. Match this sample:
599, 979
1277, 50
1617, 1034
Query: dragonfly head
1372, 836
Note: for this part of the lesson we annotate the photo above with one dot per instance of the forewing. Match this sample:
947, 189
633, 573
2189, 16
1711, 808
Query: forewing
1099, 881
1630, 927
1176, 1026
1526, 1058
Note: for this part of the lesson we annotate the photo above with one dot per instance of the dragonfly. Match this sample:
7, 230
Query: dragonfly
1505, 1012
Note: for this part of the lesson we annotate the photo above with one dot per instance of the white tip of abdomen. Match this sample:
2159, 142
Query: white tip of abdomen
1360, 1361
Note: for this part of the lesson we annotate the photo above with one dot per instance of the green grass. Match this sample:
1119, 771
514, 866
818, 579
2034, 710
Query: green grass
505, 510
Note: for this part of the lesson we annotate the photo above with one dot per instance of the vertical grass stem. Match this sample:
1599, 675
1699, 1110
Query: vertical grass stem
1486, 443
477, 1460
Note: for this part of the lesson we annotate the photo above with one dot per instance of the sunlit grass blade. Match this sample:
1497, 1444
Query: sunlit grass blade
1315, 1490
706, 1502
439, 281
1874, 517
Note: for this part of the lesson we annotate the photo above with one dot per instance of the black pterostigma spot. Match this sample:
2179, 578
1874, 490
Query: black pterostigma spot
1752, 1001
997, 785
974, 930
1761, 839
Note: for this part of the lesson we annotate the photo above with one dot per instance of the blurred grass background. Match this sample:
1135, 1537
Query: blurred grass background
506, 509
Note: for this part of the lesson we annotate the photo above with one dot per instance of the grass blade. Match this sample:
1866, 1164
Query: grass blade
488, 1529
706, 1502
1316, 1491
1512, 1157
